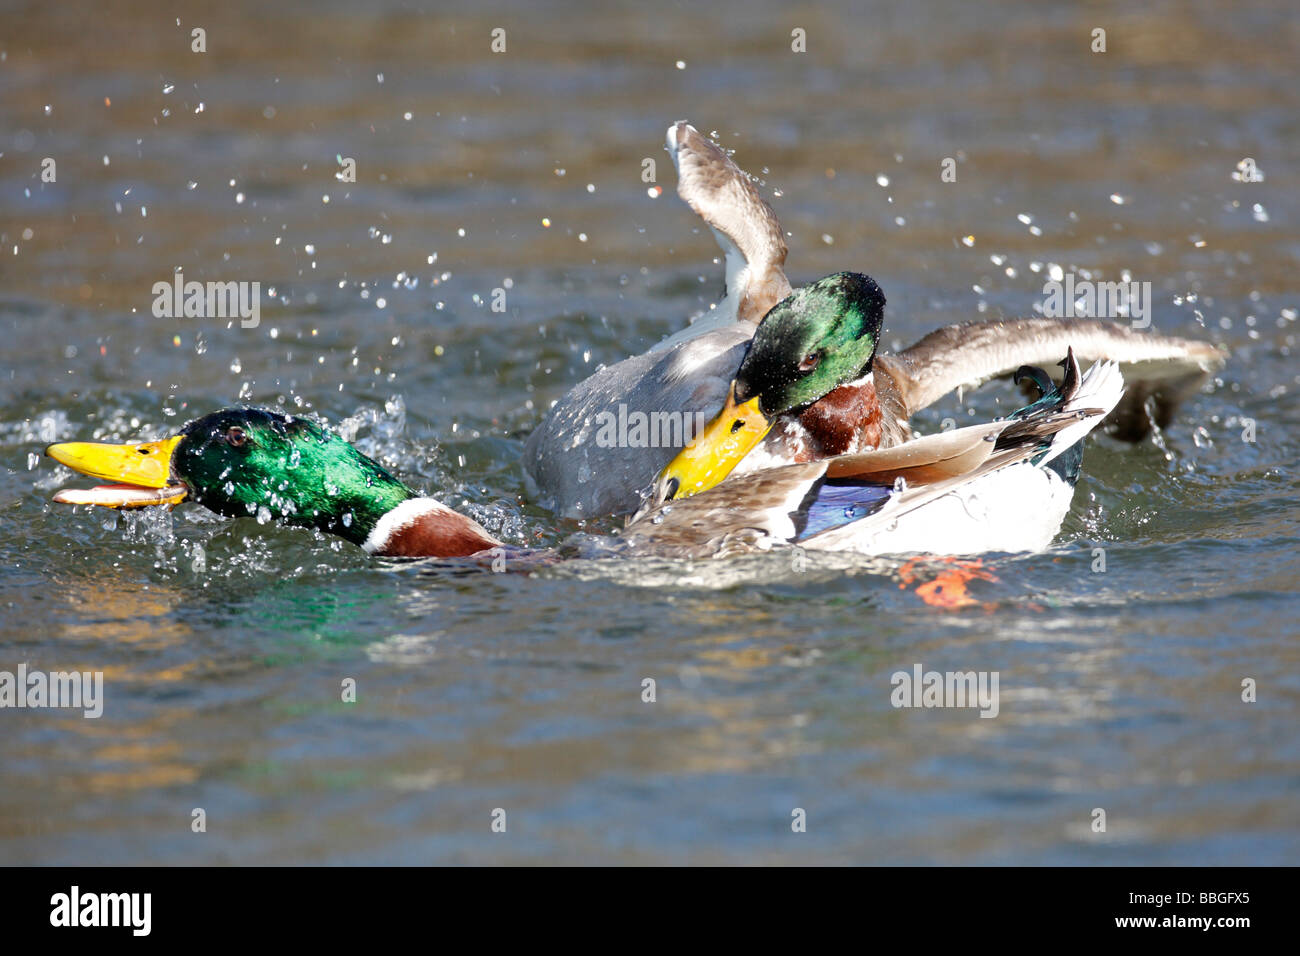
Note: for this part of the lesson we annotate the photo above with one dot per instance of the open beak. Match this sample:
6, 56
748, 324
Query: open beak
714, 452
141, 474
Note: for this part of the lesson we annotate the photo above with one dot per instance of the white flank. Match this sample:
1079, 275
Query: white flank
1019, 508
403, 516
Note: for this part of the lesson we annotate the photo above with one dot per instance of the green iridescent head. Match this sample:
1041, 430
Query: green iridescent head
236, 462
811, 342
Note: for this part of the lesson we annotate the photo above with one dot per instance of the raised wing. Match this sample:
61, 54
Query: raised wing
1160, 371
723, 195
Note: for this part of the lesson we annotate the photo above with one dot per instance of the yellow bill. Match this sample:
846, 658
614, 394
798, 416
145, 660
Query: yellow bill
141, 474
717, 450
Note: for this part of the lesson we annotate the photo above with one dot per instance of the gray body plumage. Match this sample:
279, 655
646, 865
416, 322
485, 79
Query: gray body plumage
573, 473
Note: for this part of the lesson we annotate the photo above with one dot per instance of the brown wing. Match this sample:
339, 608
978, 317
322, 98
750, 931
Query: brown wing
721, 194
736, 515
932, 458
1164, 369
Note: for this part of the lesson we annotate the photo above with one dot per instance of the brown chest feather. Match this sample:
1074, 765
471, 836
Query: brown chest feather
845, 420
442, 534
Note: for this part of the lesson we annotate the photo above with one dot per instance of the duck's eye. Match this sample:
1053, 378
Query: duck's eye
810, 361
737, 425
236, 436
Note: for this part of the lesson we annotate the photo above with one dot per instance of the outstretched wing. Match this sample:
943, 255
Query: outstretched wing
1160, 371
720, 193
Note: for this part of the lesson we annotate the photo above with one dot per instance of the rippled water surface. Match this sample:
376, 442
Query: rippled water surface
224, 643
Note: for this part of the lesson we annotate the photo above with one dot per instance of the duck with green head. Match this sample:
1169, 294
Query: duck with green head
1001, 486
688, 373
807, 375
239, 461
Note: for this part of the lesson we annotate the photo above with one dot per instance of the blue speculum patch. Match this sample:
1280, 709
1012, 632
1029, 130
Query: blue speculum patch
841, 502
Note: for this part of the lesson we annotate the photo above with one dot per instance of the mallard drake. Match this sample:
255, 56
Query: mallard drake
243, 462
1001, 486
573, 472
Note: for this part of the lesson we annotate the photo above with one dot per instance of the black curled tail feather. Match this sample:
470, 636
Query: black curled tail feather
1039, 377
1036, 423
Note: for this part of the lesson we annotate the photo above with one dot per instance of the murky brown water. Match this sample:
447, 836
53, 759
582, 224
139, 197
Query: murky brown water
224, 643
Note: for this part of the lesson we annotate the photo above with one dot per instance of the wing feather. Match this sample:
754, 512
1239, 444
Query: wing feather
720, 193
1156, 367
